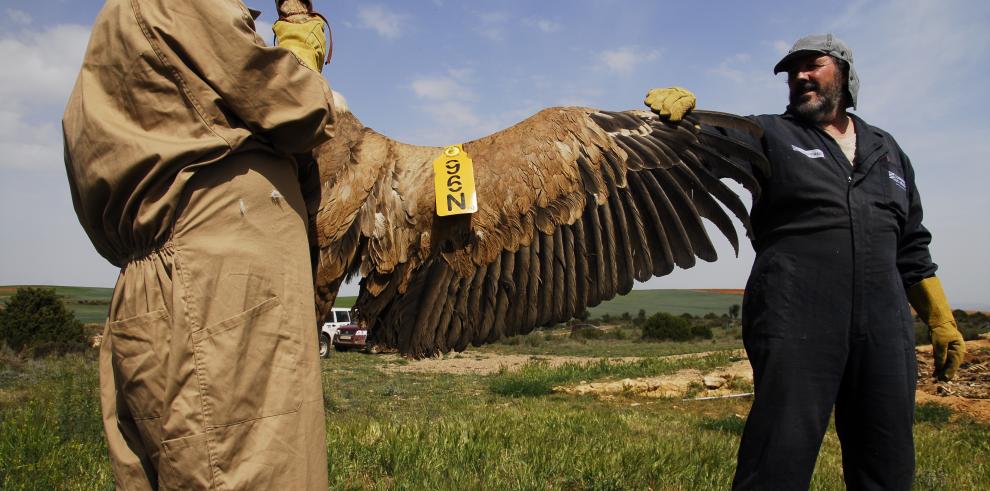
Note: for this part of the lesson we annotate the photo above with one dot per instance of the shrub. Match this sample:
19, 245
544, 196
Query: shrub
534, 341
587, 332
702, 331
665, 326
37, 318
511, 340
619, 334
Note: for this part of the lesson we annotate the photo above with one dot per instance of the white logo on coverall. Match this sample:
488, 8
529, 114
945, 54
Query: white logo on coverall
901, 183
811, 154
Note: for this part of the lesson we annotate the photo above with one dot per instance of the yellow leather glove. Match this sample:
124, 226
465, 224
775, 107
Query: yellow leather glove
304, 39
671, 102
928, 299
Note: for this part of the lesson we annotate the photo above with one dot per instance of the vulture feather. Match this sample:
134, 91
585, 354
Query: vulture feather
574, 205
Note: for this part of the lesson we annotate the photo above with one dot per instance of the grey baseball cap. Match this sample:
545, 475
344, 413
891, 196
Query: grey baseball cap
825, 44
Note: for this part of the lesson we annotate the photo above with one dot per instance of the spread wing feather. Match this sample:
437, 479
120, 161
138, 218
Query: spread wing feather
575, 204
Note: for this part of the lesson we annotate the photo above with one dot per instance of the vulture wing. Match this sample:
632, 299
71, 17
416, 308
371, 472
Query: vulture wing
573, 205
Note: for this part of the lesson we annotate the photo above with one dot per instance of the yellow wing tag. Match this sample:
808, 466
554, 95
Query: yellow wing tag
453, 182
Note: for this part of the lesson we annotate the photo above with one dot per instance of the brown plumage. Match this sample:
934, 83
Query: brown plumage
574, 205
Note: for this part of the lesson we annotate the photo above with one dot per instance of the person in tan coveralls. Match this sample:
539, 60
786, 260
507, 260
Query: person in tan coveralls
179, 136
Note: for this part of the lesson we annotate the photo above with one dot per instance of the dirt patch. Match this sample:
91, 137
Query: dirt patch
969, 392
720, 382
486, 363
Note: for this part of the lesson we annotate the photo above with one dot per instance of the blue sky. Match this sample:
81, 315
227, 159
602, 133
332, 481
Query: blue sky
439, 72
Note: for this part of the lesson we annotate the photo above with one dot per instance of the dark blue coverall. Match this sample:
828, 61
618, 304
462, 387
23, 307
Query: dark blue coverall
826, 320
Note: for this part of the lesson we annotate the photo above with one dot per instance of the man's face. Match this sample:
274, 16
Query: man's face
817, 88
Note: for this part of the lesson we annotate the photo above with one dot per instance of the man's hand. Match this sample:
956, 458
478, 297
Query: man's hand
671, 102
948, 346
300, 31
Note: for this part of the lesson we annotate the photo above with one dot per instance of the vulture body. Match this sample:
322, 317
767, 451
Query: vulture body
574, 204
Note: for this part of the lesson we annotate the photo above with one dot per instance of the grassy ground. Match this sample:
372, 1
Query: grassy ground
618, 341
409, 430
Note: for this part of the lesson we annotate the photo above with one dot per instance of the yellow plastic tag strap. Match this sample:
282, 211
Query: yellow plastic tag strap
453, 182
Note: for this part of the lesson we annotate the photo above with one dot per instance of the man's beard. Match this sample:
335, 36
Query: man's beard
819, 110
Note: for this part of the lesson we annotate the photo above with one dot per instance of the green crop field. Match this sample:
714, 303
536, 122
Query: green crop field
91, 304
694, 302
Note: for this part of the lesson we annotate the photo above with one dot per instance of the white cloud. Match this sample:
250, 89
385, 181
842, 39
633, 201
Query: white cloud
491, 25
453, 85
781, 46
24, 145
40, 69
624, 60
386, 23
920, 49
438, 88
451, 102
544, 25
734, 68
19, 16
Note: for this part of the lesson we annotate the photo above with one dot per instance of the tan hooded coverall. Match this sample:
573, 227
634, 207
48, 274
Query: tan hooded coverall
178, 136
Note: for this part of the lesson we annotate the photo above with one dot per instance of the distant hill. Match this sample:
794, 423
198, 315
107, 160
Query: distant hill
694, 302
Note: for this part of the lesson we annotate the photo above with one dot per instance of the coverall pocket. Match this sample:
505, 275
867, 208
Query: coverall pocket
767, 299
246, 365
140, 368
895, 190
186, 464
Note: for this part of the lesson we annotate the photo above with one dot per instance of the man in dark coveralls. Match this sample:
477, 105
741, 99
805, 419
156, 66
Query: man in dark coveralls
840, 251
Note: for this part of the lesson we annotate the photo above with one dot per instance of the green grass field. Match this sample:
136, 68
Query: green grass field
91, 304
388, 429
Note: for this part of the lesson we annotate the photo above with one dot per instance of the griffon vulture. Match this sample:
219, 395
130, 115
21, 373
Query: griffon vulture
573, 205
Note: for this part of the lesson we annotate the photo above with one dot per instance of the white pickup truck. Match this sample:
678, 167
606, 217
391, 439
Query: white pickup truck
338, 317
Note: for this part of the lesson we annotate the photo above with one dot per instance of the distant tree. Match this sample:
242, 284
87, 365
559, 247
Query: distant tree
36, 316
687, 315
734, 311
640, 318
663, 326
606, 318
625, 316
